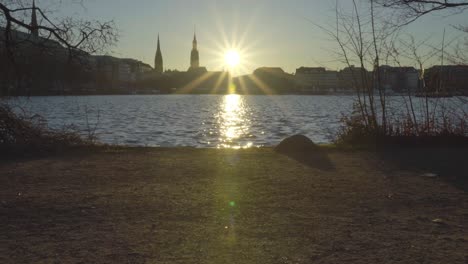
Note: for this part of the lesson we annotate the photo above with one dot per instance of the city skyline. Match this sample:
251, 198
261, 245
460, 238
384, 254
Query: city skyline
265, 33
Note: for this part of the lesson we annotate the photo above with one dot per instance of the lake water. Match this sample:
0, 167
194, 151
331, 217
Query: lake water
234, 121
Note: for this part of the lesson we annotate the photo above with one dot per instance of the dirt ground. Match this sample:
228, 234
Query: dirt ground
151, 205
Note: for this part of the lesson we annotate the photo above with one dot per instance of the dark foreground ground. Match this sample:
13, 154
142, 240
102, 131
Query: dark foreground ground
234, 206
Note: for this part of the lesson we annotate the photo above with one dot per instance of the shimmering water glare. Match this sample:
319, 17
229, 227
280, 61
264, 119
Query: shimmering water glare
214, 121
234, 122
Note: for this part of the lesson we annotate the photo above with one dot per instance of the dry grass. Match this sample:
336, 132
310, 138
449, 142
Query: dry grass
449, 132
121, 205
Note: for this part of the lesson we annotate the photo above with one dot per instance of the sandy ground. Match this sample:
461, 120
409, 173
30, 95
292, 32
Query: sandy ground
228, 206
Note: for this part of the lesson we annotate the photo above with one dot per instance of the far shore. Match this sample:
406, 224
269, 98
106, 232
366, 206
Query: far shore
175, 93
244, 94
188, 205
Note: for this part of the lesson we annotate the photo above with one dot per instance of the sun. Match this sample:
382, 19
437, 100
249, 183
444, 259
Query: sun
232, 58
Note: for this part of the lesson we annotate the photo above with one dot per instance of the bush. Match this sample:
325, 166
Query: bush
25, 135
404, 132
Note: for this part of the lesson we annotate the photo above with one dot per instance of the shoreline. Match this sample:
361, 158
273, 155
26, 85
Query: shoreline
203, 94
222, 94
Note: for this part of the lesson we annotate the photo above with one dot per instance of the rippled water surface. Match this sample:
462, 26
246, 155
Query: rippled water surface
194, 120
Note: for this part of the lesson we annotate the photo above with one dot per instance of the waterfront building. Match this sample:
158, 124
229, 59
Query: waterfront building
112, 72
196, 80
31, 41
40, 64
316, 80
265, 80
351, 79
158, 60
269, 71
447, 79
398, 79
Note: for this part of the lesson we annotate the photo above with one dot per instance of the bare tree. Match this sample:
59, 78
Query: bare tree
410, 10
73, 34
69, 40
364, 37
51, 49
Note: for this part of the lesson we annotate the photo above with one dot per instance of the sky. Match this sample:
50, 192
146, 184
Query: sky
276, 33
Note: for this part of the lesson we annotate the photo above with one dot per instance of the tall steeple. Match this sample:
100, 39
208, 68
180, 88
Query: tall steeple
34, 25
158, 60
194, 42
194, 57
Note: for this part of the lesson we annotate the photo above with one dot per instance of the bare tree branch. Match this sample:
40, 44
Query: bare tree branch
411, 10
74, 34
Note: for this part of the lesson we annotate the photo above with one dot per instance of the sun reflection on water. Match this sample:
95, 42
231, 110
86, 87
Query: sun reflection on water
234, 123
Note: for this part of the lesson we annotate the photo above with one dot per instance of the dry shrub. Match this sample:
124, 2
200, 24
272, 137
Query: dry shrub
25, 135
446, 131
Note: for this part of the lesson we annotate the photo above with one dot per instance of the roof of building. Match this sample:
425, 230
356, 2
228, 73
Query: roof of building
275, 70
352, 68
460, 67
310, 69
398, 68
197, 70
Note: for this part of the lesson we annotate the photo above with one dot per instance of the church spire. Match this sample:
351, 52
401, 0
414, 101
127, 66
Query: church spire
194, 57
158, 60
34, 25
194, 42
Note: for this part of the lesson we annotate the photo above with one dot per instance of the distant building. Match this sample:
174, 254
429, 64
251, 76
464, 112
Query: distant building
265, 80
316, 80
269, 70
31, 41
158, 60
196, 80
201, 81
448, 79
397, 79
112, 72
40, 65
352, 79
